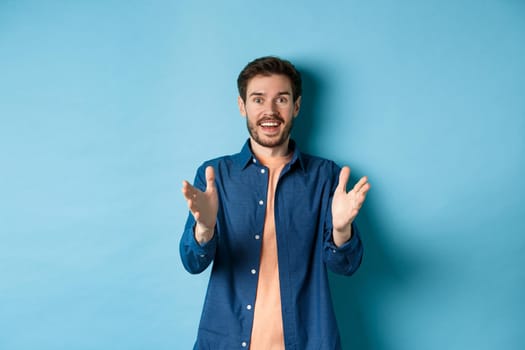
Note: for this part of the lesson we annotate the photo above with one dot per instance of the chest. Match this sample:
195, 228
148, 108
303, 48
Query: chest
297, 201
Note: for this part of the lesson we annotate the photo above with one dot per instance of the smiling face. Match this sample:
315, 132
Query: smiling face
269, 110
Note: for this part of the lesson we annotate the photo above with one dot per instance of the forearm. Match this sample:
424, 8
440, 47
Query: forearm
203, 234
196, 256
346, 258
340, 237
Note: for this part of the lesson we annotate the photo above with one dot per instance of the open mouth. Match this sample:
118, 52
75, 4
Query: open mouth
270, 126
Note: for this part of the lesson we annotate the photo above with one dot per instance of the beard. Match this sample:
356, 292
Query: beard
274, 141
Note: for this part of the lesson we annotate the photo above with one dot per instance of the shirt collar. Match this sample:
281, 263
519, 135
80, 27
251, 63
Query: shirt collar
246, 156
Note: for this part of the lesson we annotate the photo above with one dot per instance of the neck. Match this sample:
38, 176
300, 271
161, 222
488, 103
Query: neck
270, 152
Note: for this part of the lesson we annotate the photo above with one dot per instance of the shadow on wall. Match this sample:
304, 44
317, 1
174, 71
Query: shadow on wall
304, 128
358, 300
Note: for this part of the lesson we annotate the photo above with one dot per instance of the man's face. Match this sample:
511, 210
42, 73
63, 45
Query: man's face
269, 109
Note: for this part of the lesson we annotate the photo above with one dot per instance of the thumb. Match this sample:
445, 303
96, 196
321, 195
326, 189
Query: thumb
210, 178
344, 175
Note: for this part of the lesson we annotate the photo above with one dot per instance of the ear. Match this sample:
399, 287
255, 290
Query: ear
242, 106
297, 106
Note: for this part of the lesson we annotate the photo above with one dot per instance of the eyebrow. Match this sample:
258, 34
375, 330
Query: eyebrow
255, 93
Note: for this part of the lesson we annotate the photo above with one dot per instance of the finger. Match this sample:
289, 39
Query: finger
210, 178
360, 185
361, 196
186, 189
194, 208
344, 175
186, 186
365, 188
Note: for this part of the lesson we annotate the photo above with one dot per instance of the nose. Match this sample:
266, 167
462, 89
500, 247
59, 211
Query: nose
271, 108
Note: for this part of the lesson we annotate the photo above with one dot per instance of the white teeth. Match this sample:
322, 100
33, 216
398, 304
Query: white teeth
269, 124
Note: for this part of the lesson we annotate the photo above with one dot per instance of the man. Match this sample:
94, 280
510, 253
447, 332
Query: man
271, 219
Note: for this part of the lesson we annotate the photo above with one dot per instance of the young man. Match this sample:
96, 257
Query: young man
271, 219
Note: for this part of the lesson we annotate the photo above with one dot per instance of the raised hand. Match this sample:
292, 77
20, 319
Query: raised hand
203, 206
346, 205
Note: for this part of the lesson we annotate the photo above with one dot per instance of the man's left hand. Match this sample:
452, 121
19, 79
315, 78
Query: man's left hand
346, 205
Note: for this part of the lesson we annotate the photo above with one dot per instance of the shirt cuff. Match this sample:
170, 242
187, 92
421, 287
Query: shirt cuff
205, 249
349, 245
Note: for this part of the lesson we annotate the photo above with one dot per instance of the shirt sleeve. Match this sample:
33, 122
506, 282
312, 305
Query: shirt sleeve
196, 257
346, 259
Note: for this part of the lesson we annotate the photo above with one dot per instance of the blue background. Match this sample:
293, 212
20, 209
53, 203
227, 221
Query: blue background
106, 106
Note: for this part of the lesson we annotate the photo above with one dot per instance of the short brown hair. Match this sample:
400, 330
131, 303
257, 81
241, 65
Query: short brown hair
269, 65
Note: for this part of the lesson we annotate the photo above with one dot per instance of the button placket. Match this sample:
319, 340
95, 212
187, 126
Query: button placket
262, 171
257, 237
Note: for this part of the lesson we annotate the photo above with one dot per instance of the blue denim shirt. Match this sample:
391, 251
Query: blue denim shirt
305, 248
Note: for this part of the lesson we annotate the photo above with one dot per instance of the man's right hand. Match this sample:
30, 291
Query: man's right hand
203, 206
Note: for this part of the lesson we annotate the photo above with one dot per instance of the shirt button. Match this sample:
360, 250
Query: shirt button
254, 160
261, 202
248, 307
257, 237
263, 171
244, 344
253, 272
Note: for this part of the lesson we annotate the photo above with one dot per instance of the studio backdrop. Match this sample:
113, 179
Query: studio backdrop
107, 106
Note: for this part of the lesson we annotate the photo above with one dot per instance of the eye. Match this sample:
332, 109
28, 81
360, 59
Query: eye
282, 100
258, 100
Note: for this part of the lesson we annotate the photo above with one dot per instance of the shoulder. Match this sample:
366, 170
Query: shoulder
221, 166
318, 172
226, 159
223, 162
239, 159
316, 163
